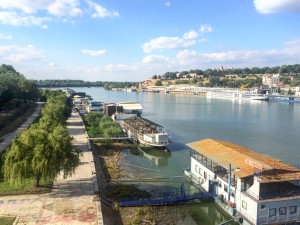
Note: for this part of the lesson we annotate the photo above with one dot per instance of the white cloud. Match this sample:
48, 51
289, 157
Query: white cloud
27, 6
24, 9
94, 52
121, 67
287, 55
167, 43
190, 35
5, 48
53, 7
52, 64
6, 36
100, 11
167, 3
274, 6
44, 27
188, 40
155, 59
17, 54
205, 29
65, 8
12, 18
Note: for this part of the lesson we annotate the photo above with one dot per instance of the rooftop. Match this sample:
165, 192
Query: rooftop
248, 161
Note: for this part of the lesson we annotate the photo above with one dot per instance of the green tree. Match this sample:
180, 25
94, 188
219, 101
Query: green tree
44, 149
158, 83
194, 80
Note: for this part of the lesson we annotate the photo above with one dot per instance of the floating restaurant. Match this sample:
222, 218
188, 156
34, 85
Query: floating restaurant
145, 131
254, 188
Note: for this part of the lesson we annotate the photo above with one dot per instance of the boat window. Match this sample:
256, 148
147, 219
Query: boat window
244, 205
225, 188
272, 212
220, 184
282, 211
293, 209
262, 206
197, 169
205, 175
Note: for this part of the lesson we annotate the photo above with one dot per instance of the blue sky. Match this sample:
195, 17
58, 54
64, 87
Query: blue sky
131, 40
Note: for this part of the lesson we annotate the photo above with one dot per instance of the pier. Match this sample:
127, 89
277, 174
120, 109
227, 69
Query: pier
169, 199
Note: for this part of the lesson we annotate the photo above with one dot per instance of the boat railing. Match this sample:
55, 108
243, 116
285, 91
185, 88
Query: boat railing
274, 195
279, 219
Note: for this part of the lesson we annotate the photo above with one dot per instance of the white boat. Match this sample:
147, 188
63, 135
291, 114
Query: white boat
145, 131
131, 107
94, 106
260, 97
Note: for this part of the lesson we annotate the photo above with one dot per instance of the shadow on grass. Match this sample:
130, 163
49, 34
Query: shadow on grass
27, 187
5, 220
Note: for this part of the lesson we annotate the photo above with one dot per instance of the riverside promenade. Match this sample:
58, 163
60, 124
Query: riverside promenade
72, 201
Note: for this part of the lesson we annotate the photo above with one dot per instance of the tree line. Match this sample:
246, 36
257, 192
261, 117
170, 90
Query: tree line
14, 87
68, 83
45, 148
283, 70
110, 85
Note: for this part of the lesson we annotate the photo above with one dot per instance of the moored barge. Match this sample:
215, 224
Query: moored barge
146, 132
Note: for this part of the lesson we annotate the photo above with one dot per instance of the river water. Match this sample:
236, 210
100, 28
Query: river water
270, 128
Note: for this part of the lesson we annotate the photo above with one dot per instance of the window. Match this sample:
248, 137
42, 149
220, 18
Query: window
244, 205
272, 212
205, 175
293, 209
225, 188
232, 194
282, 211
197, 169
262, 206
220, 184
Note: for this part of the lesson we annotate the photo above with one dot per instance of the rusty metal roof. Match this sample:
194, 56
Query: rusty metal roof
248, 161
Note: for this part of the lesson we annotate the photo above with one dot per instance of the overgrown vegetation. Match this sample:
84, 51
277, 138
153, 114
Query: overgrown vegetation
99, 125
43, 150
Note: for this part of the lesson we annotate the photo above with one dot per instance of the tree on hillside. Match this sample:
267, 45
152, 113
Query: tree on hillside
158, 83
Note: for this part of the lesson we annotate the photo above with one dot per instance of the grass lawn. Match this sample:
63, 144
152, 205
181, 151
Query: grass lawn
26, 188
7, 220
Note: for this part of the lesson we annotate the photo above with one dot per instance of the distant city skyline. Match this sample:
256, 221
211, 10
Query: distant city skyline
95, 40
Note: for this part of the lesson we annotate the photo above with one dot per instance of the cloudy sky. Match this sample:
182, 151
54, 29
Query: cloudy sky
131, 40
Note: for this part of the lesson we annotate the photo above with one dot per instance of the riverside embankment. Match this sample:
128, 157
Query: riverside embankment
266, 127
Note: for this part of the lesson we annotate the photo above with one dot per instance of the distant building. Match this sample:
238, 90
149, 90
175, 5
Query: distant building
270, 79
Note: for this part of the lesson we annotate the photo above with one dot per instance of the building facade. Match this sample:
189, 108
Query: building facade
254, 188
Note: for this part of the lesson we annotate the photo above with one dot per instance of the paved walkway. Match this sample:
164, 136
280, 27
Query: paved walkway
72, 201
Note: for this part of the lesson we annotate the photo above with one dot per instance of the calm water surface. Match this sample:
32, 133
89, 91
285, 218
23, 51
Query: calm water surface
266, 127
